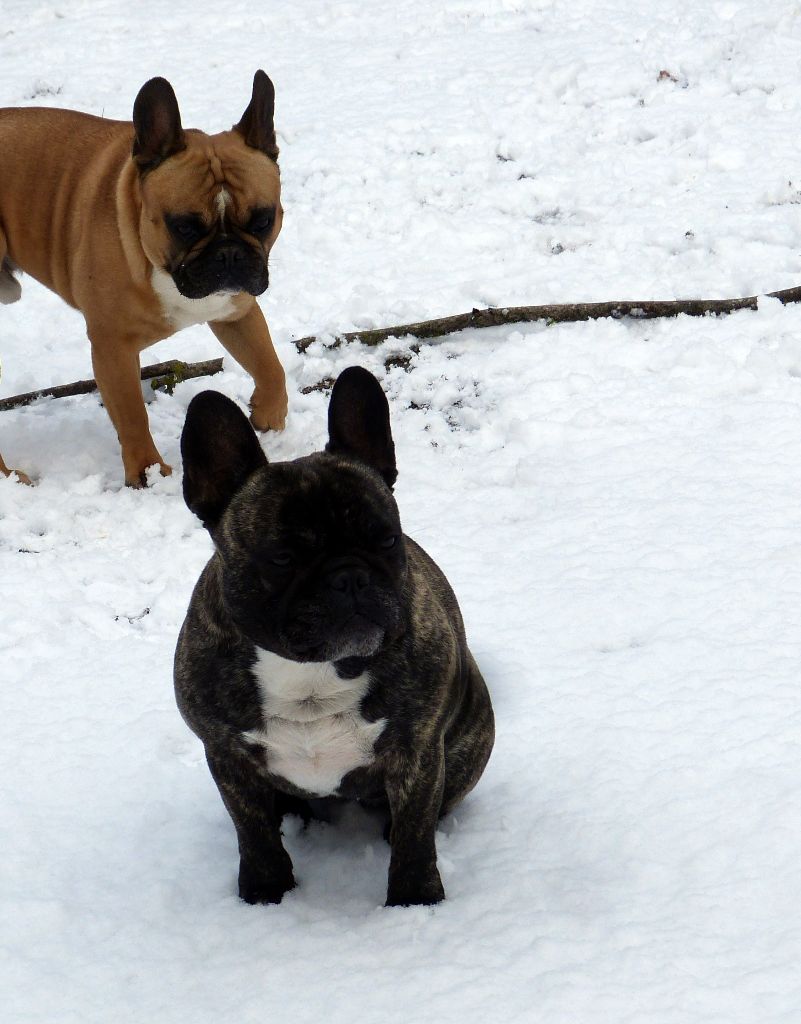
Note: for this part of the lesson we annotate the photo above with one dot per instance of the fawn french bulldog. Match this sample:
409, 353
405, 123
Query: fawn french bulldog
146, 228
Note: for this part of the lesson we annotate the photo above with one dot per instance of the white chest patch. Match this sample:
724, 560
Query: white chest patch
313, 731
183, 312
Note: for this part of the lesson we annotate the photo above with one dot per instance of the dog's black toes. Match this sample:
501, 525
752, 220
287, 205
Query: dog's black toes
419, 891
257, 886
264, 892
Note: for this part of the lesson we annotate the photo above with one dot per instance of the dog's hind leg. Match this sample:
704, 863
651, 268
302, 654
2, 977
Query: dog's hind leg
22, 477
9, 292
470, 742
10, 289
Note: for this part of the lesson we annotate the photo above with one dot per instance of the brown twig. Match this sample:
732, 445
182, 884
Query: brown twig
166, 375
556, 313
161, 376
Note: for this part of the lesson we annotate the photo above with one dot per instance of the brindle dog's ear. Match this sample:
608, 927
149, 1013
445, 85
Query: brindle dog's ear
220, 451
157, 125
358, 422
256, 124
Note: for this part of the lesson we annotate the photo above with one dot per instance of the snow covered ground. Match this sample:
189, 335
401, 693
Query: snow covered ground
616, 504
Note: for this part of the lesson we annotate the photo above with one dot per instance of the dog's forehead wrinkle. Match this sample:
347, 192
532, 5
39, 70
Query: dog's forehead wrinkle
254, 186
221, 178
308, 501
354, 495
204, 153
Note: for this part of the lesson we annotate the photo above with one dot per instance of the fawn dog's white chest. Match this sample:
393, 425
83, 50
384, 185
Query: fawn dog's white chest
312, 730
182, 312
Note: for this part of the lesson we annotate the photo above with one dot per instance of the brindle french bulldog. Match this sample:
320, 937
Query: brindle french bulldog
323, 653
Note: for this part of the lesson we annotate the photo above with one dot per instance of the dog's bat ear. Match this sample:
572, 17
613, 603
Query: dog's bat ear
220, 451
358, 422
256, 124
157, 125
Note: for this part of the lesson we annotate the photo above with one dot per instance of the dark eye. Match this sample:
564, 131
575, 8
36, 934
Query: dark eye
388, 542
187, 229
260, 222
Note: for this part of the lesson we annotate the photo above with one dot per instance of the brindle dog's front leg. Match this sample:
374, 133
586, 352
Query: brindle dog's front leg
265, 870
414, 788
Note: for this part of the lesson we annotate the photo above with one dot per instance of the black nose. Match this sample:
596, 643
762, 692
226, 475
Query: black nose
348, 580
228, 256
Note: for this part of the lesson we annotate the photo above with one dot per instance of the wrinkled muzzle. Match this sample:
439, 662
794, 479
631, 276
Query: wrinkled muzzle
347, 615
225, 265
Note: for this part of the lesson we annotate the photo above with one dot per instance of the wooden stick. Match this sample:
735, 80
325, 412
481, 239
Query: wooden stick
557, 313
166, 375
161, 375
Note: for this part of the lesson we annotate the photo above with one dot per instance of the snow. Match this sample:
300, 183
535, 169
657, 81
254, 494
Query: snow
616, 504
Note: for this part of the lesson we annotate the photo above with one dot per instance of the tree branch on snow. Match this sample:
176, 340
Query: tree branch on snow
164, 376
558, 313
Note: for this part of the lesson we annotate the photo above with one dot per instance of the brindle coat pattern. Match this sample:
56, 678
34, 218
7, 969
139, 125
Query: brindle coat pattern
424, 682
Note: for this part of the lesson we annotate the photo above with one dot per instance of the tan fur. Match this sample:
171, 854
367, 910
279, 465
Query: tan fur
77, 216
22, 477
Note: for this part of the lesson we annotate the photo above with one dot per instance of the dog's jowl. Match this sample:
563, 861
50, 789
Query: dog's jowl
323, 654
146, 228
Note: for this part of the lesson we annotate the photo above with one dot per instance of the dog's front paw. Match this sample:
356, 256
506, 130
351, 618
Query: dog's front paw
18, 475
259, 884
23, 478
136, 472
414, 888
269, 413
